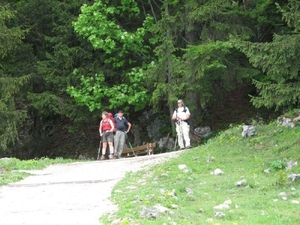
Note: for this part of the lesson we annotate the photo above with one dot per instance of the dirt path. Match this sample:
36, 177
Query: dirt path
70, 194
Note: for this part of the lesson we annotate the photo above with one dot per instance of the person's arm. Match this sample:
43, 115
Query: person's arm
100, 128
129, 126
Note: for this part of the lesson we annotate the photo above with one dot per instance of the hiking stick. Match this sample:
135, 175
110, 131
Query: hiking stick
99, 150
130, 144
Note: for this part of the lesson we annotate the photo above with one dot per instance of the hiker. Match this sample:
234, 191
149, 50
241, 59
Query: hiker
181, 116
106, 128
123, 127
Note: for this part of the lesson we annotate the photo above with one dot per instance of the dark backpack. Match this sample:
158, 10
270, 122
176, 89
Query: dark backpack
184, 110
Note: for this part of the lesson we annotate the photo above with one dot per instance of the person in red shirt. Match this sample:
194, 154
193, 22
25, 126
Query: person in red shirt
106, 128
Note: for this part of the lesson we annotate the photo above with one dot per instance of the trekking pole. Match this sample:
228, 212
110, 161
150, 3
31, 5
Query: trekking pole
130, 144
99, 150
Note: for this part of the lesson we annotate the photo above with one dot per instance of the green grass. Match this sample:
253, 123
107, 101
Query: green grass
240, 158
9, 168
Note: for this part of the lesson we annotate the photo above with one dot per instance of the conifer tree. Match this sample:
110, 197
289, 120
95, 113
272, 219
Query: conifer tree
10, 116
278, 85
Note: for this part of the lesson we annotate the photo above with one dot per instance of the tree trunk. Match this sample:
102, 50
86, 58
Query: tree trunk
192, 99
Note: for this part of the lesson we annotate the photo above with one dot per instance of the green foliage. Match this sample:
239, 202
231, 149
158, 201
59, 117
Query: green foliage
124, 50
9, 36
133, 54
278, 164
10, 117
94, 91
278, 60
281, 178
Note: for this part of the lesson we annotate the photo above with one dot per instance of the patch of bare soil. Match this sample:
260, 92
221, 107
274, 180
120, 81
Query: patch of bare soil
76, 193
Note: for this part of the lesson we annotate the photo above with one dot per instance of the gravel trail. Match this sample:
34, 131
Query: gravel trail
68, 194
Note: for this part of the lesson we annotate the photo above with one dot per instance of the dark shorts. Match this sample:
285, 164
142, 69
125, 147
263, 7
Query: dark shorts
108, 137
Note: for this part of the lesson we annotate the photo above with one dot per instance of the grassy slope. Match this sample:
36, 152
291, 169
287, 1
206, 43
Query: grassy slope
240, 158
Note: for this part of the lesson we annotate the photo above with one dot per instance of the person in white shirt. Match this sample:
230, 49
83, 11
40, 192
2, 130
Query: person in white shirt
181, 116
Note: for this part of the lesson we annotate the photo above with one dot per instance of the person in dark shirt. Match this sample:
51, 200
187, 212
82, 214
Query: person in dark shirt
123, 127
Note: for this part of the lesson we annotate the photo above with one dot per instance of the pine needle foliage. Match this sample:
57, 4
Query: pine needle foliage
10, 117
279, 63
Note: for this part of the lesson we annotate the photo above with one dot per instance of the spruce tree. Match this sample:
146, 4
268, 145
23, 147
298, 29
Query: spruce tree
10, 116
279, 83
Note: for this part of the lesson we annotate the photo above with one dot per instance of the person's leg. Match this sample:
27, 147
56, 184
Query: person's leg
186, 134
103, 150
110, 140
111, 148
121, 142
179, 135
116, 143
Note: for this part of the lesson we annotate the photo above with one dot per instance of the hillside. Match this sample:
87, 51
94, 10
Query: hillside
254, 189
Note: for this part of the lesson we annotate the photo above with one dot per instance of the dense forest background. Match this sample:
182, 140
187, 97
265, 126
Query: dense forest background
62, 62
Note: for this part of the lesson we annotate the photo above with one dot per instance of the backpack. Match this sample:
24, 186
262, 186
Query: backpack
184, 110
110, 116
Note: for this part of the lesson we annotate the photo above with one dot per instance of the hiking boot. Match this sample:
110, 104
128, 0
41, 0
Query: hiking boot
187, 147
102, 157
181, 148
111, 156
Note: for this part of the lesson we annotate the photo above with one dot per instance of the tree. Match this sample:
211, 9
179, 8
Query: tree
123, 52
10, 116
194, 59
278, 86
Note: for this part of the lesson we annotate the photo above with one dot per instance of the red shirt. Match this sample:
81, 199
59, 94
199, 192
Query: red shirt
106, 125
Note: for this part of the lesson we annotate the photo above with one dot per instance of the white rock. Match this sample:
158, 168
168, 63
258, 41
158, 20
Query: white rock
210, 220
161, 208
186, 170
294, 176
241, 183
219, 214
267, 170
295, 201
297, 118
189, 191
174, 206
282, 194
293, 189
290, 164
222, 207
218, 172
210, 159
248, 130
182, 166
228, 202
